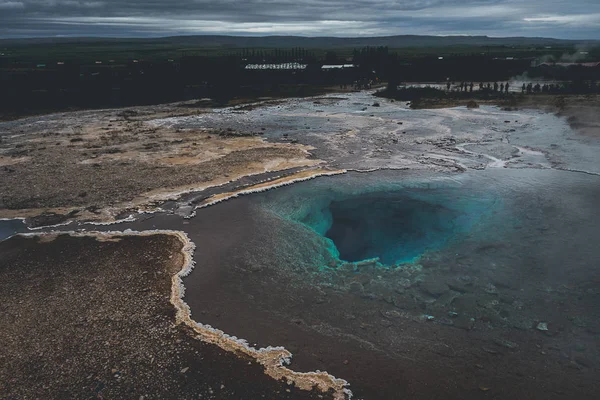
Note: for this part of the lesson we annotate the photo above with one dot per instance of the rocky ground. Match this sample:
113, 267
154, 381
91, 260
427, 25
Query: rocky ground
85, 162
580, 110
90, 319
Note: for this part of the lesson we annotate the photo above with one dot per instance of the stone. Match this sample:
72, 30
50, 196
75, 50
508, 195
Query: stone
522, 323
391, 314
356, 288
490, 288
579, 322
364, 279
502, 280
466, 304
385, 323
506, 343
579, 347
434, 286
542, 326
402, 284
506, 298
464, 322
405, 302
458, 285
585, 362
488, 350
447, 298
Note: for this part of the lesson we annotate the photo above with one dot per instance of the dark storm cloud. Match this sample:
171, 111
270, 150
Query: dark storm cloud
553, 18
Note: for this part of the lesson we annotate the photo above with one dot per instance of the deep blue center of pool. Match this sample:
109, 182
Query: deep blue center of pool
394, 228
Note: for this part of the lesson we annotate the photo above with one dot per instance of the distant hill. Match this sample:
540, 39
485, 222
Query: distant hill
312, 42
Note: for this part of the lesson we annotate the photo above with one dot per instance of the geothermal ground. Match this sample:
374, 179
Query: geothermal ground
436, 253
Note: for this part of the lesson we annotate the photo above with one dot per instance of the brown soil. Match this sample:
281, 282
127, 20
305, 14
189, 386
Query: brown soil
90, 319
103, 159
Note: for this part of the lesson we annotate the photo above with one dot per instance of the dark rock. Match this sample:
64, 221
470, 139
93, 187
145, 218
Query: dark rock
488, 350
391, 314
506, 343
464, 322
435, 286
522, 323
585, 362
490, 289
502, 280
405, 302
356, 288
579, 347
459, 285
402, 286
364, 279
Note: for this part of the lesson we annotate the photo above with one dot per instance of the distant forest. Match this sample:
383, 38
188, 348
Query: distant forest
40, 75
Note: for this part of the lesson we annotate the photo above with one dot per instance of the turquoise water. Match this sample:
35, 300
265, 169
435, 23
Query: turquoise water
396, 217
392, 226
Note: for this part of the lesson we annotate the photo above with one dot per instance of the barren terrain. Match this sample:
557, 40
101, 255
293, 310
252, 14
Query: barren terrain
99, 324
95, 164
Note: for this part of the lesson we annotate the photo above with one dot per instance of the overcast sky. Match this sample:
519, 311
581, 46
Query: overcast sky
568, 19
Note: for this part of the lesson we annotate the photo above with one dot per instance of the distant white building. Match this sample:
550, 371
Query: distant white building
338, 66
285, 66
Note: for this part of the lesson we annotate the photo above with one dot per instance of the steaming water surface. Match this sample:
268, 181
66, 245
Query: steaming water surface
452, 261
489, 253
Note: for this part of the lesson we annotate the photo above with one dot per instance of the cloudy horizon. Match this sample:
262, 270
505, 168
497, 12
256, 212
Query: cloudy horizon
577, 19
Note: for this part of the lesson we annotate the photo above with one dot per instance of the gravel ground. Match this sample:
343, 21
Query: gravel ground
98, 159
88, 319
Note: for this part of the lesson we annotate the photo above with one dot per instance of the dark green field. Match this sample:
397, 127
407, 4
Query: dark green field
90, 50
52, 74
